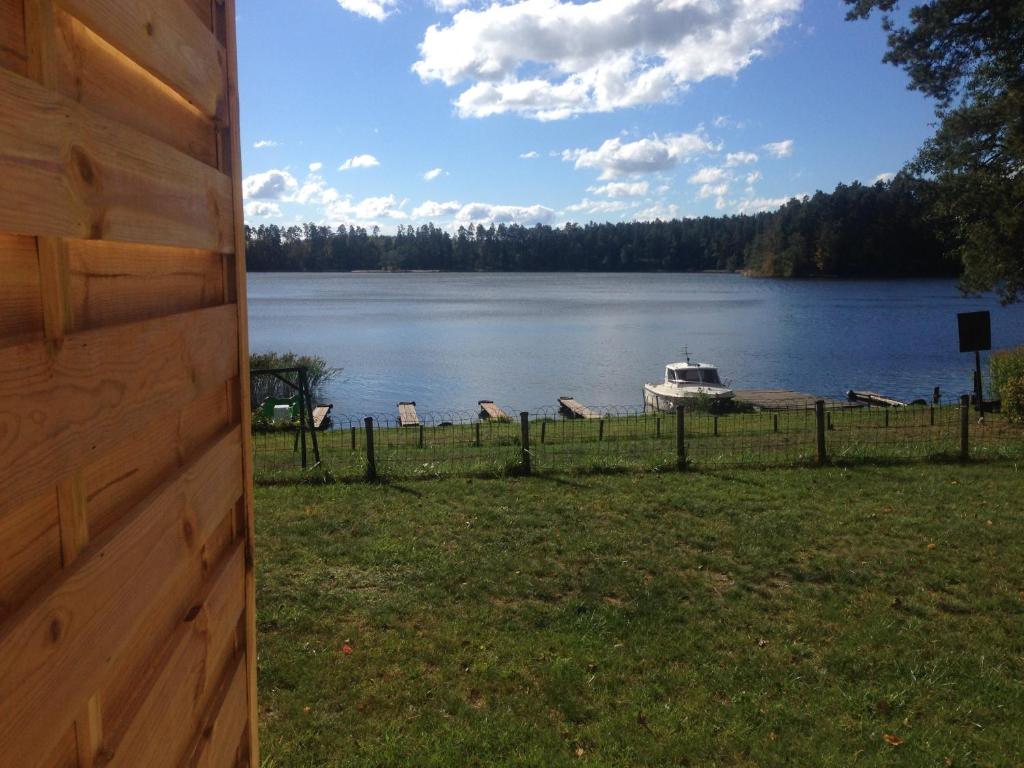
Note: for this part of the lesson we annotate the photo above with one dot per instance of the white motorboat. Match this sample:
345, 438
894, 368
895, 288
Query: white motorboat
684, 383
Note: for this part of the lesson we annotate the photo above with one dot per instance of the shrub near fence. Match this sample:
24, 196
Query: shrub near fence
624, 438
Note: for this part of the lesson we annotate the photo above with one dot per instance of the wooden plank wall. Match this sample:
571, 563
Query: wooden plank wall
126, 585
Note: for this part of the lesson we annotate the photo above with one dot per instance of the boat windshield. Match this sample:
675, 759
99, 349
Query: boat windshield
695, 375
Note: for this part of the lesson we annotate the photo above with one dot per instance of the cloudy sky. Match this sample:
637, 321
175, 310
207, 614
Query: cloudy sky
388, 112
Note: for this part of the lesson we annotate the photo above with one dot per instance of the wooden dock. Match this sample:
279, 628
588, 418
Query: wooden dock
873, 398
407, 416
573, 409
784, 399
490, 412
321, 413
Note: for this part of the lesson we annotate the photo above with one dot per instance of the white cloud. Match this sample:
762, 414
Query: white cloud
432, 174
753, 177
621, 189
378, 10
367, 209
529, 155
599, 206
270, 185
713, 190
615, 159
314, 167
659, 211
740, 158
435, 210
759, 204
708, 176
260, 210
448, 6
359, 161
887, 176
487, 214
779, 148
264, 143
550, 59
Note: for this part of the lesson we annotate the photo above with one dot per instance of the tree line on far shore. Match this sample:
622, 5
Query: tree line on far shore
884, 230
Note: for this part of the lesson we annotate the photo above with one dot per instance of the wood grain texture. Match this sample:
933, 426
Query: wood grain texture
62, 644
22, 313
69, 173
198, 657
202, 9
97, 76
220, 741
121, 477
165, 37
13, 52
30, 550
114, 283
62, 407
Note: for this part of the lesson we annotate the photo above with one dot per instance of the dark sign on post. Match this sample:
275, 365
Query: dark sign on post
975, 331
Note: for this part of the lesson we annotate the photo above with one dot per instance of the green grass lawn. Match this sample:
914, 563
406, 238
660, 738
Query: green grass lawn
731, 618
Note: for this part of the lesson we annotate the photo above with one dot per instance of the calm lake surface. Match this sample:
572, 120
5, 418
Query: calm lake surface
449, 340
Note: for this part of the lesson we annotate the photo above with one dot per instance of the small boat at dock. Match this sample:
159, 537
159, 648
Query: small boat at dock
684, 383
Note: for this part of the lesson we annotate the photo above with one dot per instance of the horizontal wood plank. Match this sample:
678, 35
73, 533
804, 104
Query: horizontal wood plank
166, 38
202, 9
60, 647
30, 550
70, 173
101, 78
63, 405
113, 283
22, 311
13, 53
124, 475
198, 660
221, 739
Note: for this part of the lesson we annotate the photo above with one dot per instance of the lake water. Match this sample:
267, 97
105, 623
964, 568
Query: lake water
449, 340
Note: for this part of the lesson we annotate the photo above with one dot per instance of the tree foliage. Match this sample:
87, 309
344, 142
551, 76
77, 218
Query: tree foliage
968, 55
857, 230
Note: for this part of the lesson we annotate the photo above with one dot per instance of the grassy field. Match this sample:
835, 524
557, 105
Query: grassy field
809, 617
643, 441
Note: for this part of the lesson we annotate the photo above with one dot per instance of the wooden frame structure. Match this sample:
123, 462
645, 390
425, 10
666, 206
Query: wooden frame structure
127, 620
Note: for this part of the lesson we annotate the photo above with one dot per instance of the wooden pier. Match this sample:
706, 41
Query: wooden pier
573, 409
784, 400
490, 412
407, 416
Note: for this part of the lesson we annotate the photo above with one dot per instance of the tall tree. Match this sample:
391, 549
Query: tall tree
968, 55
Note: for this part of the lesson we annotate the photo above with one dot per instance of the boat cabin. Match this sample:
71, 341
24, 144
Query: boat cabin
692, 373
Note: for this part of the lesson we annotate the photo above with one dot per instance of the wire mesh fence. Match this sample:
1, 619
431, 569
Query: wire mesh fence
617, 438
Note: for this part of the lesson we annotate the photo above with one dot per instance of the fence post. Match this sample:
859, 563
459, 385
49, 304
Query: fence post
543, 430
477, 434
353, 428
302, 421
887, 417
657, 426
965, 426
371, 460
421, 435
829, 416
716, 426
600, 431
680, 437
775, 422
304, 383
931, 414
819, 414
524, 422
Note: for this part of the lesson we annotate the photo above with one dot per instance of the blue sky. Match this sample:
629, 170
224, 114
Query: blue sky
389, 112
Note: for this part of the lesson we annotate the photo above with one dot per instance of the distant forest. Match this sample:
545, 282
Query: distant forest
884, 230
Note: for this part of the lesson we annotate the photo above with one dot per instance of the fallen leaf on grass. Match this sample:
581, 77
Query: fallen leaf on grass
346, 649
761, 643
306, 710
580, 752
932, 545
892, 740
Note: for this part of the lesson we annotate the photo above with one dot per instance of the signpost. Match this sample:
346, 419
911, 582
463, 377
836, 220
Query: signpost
975, 336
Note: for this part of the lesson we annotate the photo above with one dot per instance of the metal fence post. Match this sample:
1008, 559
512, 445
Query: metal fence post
819, 414
716, 426
600, 431
353, 428
477, 434
302, 421
543, 430
421, 436
680, 437
965, 426
524, 422
371, 460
